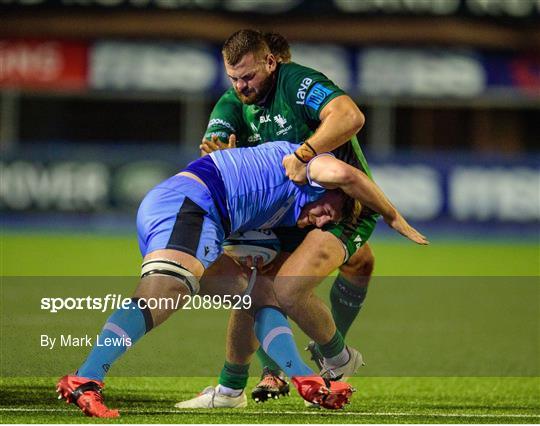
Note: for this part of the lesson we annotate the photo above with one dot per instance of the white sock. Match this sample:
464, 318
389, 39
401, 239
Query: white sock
338, 360
224, 390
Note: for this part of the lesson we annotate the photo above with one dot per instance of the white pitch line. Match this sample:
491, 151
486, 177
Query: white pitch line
311, 413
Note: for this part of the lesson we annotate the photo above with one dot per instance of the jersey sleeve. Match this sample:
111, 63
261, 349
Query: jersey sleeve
310, 90
226, 118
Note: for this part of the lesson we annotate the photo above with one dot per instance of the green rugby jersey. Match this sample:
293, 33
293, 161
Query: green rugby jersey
227, 118
290, 112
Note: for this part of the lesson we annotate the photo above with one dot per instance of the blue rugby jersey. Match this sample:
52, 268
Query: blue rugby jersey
258, 193
252, 184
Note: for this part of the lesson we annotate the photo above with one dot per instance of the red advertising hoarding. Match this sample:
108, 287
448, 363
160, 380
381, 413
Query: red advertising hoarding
43, 64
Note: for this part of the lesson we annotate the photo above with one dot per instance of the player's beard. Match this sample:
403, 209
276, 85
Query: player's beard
255, 97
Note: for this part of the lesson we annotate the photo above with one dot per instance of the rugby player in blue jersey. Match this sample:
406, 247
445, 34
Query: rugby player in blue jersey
295, 103
181, 227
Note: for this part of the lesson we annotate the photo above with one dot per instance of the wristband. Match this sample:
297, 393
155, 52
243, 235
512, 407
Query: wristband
310, 147
300, 158
305, 152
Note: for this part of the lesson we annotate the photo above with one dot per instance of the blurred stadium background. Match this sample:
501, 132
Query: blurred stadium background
100, 99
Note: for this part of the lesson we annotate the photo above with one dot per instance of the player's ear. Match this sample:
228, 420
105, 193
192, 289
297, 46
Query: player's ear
271, 63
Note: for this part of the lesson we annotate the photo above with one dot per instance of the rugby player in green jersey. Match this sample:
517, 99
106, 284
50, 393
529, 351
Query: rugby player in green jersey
272, 99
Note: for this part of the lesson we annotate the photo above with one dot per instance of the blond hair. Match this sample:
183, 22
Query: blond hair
351, 210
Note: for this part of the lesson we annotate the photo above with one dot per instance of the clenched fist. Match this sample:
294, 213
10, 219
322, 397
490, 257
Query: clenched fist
295, 169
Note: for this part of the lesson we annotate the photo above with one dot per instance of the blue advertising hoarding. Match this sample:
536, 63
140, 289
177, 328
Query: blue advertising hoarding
449, 189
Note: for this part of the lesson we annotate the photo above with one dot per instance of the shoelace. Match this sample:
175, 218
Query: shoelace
330, 370
270, 380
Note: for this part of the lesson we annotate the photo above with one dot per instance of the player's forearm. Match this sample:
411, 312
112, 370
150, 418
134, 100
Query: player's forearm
336, 129
360, 187
332, 173
340, 121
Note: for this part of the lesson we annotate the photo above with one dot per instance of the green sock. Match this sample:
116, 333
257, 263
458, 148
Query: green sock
333, 347
346, 300
266, 361
234, 376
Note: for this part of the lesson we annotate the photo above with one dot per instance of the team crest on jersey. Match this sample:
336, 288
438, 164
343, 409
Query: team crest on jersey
280, 121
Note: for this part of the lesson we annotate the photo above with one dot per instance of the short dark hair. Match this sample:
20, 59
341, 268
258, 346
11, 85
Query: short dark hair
243, 42
279, 46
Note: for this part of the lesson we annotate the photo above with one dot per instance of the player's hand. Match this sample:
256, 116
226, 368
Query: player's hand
399, 224
214, 144
295, 169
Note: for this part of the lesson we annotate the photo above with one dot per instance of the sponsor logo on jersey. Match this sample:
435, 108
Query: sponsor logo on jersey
284, 130
221, 135
264, 118
301, 93
358, 241
317, 95
254, 138
220, 122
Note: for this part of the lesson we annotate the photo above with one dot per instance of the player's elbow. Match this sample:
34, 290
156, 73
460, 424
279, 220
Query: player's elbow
356, 119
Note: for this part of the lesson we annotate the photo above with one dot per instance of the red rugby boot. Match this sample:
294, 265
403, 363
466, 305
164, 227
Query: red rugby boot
312, 388
85, 393
340, 395
326, 394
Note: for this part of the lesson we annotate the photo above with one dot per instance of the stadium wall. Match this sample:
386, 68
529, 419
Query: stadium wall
450, 192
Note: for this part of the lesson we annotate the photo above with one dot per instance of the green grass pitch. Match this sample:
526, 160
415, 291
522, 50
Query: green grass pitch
378, 400
458, 342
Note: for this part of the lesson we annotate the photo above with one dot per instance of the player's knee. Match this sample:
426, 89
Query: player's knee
367, 263
289, 291
287, 305
169, 275
361, 265
320, 255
